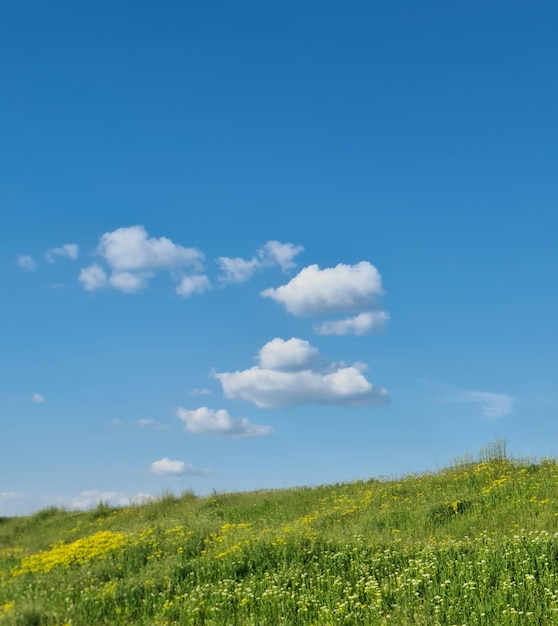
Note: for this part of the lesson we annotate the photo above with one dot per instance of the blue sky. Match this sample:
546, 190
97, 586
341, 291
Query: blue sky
254, 245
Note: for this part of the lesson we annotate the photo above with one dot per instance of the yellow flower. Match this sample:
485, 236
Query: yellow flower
75, 553
6, 608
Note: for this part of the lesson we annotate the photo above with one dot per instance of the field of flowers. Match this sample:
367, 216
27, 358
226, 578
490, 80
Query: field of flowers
470, 545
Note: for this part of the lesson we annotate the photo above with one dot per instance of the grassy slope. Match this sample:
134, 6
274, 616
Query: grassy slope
472, 544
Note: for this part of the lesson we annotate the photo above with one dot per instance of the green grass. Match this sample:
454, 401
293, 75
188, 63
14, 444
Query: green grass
476, 543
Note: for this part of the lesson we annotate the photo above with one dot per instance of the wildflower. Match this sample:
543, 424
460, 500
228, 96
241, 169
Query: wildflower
75, 553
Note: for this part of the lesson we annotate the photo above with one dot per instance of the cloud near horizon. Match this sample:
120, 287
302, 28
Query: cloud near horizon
6, 496
293, 381
91, 498
206, 421
13, 503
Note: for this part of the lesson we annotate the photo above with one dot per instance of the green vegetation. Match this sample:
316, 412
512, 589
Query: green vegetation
476, 543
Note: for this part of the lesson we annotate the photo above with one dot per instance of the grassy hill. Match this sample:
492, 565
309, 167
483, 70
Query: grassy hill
476, 543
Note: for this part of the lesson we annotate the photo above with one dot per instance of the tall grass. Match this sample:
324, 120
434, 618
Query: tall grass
476, 543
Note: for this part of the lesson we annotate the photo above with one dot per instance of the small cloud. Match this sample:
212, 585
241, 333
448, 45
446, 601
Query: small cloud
281, 254
359, 365
332, 290
93, 277
117, 422
8, 496
26, 263
166, 466
190, 285
359, 325
145, 423
141, 498
67, 251
24, 504
205, 421
237, 270
492, 405
272, 253
200, 391
37, 398
177, 468
91, 498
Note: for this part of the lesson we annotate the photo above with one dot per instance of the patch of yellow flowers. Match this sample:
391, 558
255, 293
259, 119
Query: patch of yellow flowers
75, 553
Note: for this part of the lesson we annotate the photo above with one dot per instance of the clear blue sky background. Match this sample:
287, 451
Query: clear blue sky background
420, 138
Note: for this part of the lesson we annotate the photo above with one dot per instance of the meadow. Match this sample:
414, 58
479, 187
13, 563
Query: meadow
472, 544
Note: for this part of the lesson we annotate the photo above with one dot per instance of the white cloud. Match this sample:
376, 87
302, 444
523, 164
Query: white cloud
492, 405
8, 496
272, 387
25, 504
91, 498
12, 503
291, 355
67, 251
131, 249
128, 282
93, 277
342, 288
141, 498
166, 466
26, 262
358, 325
200, 391
237, 270
277, 253
154, 424
272, 253
177, 468
190, 285
37, 398
133, 257
205, 421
